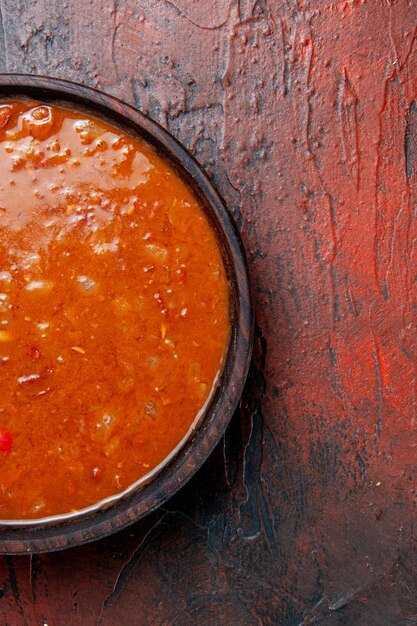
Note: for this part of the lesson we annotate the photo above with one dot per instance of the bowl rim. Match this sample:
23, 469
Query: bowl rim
97, 521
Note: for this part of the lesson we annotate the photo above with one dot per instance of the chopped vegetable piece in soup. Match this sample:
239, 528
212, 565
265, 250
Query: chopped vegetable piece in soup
114, 309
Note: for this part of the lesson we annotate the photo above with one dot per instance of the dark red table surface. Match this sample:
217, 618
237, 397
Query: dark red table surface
304, 114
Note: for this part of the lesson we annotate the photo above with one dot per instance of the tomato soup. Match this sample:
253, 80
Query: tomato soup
114, 309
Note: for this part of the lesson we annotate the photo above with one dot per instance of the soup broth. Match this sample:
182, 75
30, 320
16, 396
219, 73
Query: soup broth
114, 309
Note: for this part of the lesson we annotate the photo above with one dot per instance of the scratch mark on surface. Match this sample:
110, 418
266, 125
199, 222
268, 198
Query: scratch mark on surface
310, 56
189, 519
31, 587
202, 26
330, 203
285, 64
127, 565
410, 142
394, 47
13, 584
382, 288
378, 384
3, 43
392, 244
113, 39
349, 129
410, 50
351, 298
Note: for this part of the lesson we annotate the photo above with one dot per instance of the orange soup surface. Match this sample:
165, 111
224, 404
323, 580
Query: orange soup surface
114, 309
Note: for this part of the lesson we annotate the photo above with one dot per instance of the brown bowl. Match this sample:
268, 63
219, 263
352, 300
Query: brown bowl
65, 531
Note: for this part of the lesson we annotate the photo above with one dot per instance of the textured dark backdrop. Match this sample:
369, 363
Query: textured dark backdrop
303, 112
